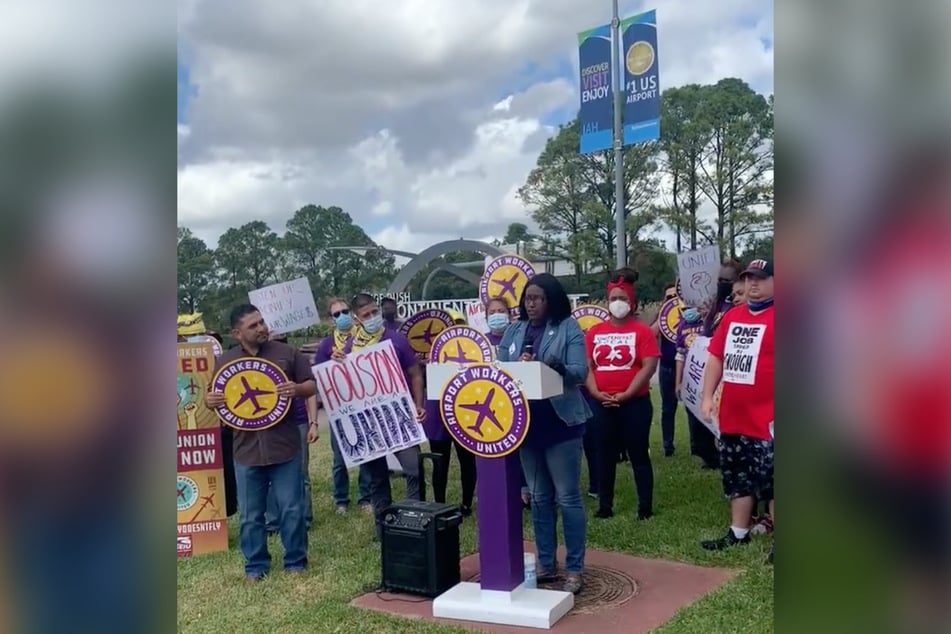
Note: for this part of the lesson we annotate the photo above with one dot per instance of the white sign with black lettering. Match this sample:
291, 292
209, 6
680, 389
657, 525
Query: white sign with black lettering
614, 351
741, 353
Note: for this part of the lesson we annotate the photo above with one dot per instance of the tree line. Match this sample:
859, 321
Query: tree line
716, 146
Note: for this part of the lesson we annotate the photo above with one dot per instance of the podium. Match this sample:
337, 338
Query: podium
500, 596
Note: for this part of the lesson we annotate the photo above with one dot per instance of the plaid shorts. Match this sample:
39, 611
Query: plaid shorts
747, 467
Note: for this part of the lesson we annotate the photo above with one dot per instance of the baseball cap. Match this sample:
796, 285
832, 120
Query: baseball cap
759, 268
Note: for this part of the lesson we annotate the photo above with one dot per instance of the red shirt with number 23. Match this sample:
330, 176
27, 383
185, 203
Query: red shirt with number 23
618, 352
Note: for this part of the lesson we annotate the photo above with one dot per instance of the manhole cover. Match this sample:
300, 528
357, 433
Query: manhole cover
603, 588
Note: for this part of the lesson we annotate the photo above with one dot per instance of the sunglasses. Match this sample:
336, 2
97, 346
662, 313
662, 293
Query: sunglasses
345, 311
669, 296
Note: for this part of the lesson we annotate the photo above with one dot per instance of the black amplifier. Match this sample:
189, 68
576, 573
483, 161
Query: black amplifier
420, 547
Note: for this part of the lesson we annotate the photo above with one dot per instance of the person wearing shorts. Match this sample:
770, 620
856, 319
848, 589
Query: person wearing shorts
742, 355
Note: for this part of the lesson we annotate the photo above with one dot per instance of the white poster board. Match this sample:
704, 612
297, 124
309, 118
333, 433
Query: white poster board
691, 387
475, 317
287, 306
698, 271
368, 403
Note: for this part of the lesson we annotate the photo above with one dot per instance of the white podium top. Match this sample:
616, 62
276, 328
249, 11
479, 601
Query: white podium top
537, 380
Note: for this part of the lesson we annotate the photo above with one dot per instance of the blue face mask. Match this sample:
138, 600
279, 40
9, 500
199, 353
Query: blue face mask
760, 305
373, 324
497, 321
691, 315
343, 321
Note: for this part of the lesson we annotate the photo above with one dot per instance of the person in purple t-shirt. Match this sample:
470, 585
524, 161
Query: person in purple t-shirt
390, 311
667, 379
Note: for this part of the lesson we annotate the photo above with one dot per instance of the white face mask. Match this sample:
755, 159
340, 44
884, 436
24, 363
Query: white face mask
619, 308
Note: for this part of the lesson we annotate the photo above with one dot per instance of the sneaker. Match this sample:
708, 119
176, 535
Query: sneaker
593, 495
367, 508
341, 509
573, 584
669, 453
604, 513
724, 542
252, 579
465, 510
646, 514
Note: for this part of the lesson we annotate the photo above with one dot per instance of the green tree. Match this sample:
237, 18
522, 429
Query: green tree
196, 269
684, 135
737, 160
572, 197
248, 255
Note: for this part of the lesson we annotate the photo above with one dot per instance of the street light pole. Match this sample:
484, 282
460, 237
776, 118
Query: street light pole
617, 83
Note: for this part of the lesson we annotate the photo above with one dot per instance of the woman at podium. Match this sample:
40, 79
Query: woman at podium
551, 452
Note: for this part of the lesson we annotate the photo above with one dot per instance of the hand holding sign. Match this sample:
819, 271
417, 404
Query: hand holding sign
214, 400
708, 408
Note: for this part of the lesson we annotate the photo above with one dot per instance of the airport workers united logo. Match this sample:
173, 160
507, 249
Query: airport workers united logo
187, 493
669, 319
215, 346
588, 315
506, 277
484, 409
250, 388
461, 345
421, 329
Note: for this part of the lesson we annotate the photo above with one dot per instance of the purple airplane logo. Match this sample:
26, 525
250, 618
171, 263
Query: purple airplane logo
427, 335
181, 492
507, 286
192, 387
460, 356
485, 413
251, 394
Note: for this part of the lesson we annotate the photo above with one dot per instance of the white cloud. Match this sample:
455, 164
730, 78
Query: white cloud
420, 119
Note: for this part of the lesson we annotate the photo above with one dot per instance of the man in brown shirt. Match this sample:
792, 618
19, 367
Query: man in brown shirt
268, 459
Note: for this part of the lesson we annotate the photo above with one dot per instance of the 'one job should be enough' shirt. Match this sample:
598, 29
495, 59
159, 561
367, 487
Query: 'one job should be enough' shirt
744, 342
618, 353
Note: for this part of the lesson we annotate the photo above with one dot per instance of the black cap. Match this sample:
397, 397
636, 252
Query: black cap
760, 268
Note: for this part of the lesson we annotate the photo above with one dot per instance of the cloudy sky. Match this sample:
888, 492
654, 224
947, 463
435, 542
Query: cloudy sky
420, 118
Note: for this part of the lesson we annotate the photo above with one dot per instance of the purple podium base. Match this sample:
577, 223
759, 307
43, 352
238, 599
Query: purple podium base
501, 597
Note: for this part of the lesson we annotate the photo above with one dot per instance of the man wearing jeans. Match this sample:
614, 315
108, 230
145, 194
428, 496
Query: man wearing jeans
268, 459
341, 482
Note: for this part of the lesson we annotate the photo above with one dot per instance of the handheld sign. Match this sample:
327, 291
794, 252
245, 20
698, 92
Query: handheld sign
250, 388
588, 315
506, 276
484, 409
462, 345
697, 275
369, 406
421, 329
695, 367
287, 306
669, 319
200, 482
215, 346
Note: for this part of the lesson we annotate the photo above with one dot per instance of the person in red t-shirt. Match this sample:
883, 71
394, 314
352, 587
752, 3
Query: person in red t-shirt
741, 354
622, 357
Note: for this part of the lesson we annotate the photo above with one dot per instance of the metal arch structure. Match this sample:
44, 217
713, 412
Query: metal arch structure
463, 274
417, 264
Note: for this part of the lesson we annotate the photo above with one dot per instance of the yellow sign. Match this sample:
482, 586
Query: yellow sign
484, 409
249, 385
202, 526
506, 276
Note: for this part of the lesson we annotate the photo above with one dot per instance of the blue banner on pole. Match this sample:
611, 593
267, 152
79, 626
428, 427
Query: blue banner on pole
596, 117
641, 78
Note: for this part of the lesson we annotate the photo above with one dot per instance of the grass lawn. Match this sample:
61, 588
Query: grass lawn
344, 561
